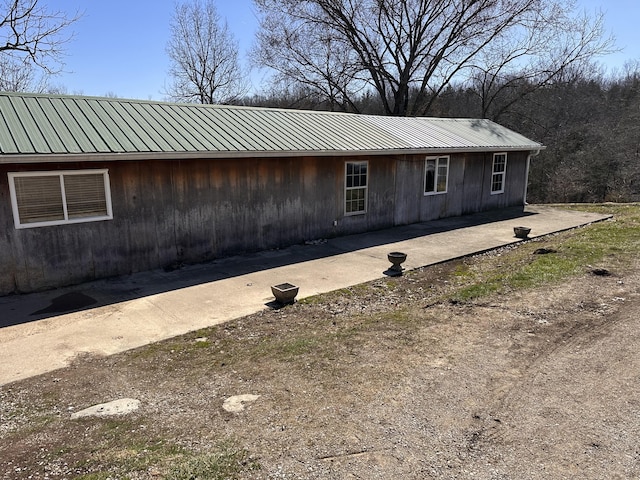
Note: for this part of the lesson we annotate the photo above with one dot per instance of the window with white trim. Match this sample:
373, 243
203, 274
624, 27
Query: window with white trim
498, 172
356, 179
436, 175
41, 199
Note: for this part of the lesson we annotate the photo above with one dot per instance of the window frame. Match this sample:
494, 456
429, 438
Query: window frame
61, 175
437, 159
500, 174
347, 189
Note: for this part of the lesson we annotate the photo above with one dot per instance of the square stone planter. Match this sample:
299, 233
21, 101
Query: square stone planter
521, 232
285, 293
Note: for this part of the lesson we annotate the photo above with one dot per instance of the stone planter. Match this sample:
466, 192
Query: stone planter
285, 293
521, 232
396, 258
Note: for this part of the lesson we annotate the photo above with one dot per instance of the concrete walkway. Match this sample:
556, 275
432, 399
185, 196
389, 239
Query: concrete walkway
42, 332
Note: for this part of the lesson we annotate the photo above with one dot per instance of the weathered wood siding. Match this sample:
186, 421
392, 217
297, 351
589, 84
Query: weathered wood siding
469, 188
168, 211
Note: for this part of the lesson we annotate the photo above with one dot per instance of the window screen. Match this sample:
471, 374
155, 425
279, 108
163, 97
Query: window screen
54, 198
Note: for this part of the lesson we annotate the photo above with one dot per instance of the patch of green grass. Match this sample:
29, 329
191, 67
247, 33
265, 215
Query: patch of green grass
399, 316
131, 455
613, 242
123, 445
476, 290
227, 463
399, 319
352, 291
202, 344
626, 210
462, 271
284, 348
296, 346
95, 476
159, 348
313, 300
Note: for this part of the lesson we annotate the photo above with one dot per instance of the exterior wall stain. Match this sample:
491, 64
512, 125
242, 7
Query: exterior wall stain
168, 211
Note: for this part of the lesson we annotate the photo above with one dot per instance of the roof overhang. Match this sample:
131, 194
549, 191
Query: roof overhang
32, 158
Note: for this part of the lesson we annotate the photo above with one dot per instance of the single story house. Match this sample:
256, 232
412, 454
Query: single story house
97, 187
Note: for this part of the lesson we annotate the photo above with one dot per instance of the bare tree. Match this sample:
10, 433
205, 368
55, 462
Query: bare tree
204, 55
312, 58
408, 51
32, 40
18, 75
560, 49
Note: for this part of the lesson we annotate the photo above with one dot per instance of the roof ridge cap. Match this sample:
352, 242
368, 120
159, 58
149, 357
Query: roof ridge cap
73, 97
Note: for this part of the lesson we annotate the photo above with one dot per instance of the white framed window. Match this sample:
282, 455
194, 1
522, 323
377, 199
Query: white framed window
498, 172
41, 199
436, 175
356, 182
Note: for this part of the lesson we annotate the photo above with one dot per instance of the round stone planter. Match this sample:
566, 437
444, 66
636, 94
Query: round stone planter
521, 232
285, 293
397, 259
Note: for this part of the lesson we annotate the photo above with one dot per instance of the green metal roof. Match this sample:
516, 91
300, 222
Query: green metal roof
43, 127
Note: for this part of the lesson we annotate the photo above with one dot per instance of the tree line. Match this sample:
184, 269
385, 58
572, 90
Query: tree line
589, 124
530, 65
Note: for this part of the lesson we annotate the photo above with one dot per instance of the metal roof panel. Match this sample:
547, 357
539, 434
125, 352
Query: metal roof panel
53, 142
75, 124
7, 143
132, 135
54, 124
20, 138
58, 125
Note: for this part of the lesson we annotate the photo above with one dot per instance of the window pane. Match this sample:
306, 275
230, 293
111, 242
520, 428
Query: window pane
39, 198
430, 176
436, 175
349, 181
496, 184
355, 187
442, 183
499, 170
85, 195
443, 172
355, 200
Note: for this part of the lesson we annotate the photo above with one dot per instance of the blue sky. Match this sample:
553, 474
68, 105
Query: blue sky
119, 47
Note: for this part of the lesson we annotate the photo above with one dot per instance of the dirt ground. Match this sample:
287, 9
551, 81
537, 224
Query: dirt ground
388, 380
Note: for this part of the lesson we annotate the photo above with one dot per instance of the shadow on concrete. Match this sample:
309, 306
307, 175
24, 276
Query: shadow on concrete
19, 309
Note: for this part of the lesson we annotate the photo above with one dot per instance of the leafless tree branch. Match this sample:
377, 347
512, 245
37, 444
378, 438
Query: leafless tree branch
408, 51
31, 35
204, 56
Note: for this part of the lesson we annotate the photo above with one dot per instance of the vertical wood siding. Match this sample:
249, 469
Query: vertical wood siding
197, 210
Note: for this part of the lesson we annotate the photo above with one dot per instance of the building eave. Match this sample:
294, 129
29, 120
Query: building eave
32, 158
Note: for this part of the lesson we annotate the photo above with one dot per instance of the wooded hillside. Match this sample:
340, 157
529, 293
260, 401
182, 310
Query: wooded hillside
590, 125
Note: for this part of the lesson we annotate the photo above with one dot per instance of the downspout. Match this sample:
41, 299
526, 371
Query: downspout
532, 153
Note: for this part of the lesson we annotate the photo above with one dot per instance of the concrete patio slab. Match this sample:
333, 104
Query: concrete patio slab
44, 331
